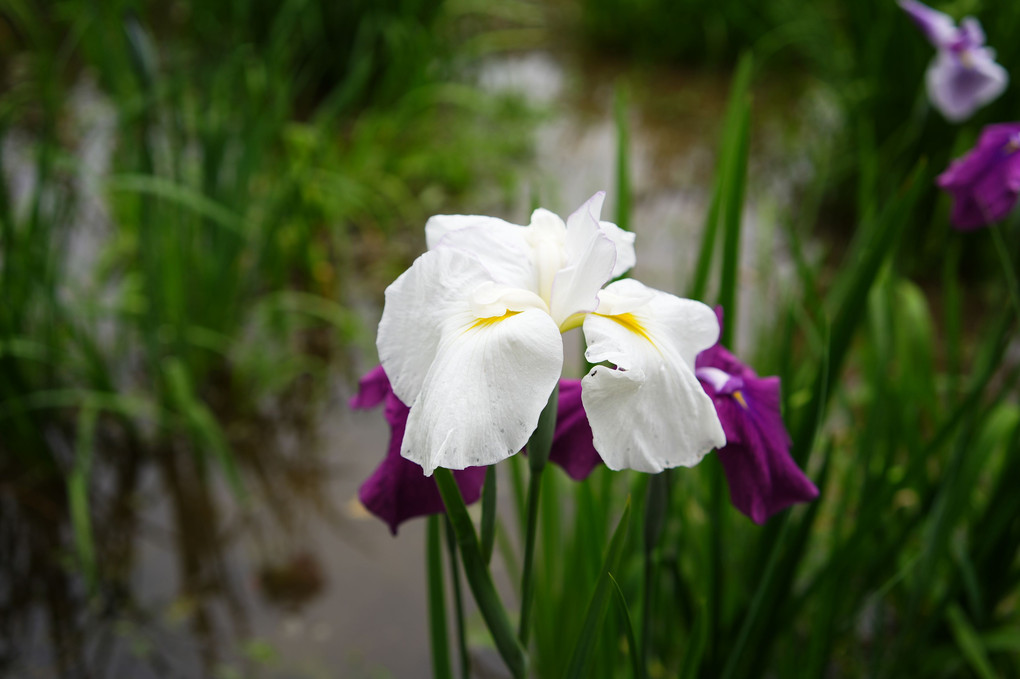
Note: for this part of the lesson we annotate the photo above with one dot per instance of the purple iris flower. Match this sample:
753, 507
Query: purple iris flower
963, 76
985, 183
398, 490
762, 476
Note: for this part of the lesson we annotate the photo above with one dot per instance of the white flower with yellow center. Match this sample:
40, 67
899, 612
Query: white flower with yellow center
470, 339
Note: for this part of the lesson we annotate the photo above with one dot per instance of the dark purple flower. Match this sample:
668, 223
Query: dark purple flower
985, 183
963, 76
762, 476
398, 490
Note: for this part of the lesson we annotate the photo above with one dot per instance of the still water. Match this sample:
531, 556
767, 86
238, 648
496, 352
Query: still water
296, 580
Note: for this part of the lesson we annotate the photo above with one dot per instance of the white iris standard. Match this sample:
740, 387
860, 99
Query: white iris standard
470, 338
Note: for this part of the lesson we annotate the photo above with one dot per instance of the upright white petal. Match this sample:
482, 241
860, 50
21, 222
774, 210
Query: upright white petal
480, 401
500, 246
648, 412
624, 242
589, 258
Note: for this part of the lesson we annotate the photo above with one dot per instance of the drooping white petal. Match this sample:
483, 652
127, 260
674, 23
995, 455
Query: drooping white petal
480, 401
439, 284
649, 413
500, 246
959, 85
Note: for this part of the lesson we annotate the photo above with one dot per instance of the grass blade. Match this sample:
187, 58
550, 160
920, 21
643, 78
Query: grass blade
970, 643
637, 664
596, 611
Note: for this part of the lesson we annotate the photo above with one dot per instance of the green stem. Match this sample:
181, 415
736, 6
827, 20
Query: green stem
489, 513
478, 576
437, 602
458, 603
538, 453
527, 579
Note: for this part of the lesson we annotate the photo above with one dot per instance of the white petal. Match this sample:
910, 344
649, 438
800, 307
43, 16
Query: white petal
483, 393
502, 247
649, 413
590, 258
438, 285
624, 242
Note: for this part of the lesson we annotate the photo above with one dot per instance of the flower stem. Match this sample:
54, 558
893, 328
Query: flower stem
478, 576
538, 453
437, 602
458, 602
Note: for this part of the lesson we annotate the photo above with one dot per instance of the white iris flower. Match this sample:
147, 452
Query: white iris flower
470, 337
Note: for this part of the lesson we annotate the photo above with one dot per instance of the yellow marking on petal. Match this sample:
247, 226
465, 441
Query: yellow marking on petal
573, 321
630, 322
740, 399
492, 320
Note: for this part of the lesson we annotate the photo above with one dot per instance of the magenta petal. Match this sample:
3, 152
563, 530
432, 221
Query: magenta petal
373, 388
762, 476
939, 28
573, 448
985, 183
398, 490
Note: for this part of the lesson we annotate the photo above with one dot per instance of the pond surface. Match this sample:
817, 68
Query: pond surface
299, 581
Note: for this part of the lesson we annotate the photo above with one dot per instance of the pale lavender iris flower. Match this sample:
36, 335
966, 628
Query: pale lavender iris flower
397, 490
963, 76
762, 476
985, 183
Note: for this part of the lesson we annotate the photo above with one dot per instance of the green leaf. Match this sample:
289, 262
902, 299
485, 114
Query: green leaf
478, 576
78, 494
623, 195
596, 611
203, 424
637, 665
970, 643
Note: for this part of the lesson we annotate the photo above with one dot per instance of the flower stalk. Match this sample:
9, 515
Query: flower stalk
478, 576
538, 453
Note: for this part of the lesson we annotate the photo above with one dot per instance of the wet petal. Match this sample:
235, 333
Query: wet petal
500, 246
397, 491
484, 390
649, 412
437, 286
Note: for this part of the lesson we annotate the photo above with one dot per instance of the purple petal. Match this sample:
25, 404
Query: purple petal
762, 476
939, 28
961, 81
373, 388
398, 490
985, 183
573, 448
